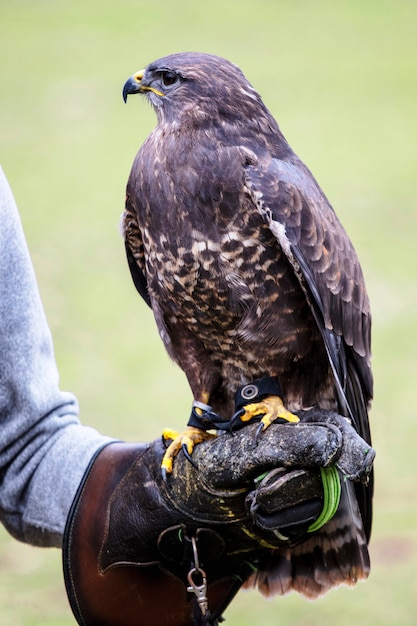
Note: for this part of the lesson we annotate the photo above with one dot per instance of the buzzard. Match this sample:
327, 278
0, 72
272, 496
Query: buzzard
255, 286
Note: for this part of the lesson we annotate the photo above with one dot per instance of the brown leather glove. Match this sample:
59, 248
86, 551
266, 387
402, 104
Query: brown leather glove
141, 550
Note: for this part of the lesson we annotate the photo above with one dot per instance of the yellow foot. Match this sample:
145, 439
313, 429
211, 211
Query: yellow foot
272, 408
181, 441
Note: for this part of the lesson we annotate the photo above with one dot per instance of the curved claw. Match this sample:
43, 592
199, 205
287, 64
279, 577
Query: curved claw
188, 455
259, 431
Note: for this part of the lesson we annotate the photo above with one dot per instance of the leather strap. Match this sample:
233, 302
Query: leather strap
256, 391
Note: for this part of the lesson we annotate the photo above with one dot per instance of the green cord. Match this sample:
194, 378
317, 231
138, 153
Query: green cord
260, 478
331, 491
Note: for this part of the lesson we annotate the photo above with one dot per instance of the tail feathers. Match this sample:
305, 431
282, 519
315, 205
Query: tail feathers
336, 554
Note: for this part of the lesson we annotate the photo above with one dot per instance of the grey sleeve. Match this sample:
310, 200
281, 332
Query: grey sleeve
44, 450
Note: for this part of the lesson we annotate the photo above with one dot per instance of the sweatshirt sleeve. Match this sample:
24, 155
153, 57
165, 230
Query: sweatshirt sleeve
44, 449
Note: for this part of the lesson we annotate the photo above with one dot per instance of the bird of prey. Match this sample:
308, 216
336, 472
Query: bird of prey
253, 282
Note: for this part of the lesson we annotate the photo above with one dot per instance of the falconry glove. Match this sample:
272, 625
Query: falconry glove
138, 549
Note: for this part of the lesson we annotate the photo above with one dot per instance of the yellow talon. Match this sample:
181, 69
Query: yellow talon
189, 438
166, 465
168, 433
272, 408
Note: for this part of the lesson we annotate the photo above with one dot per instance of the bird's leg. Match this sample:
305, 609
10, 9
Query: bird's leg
261, 401
189, 438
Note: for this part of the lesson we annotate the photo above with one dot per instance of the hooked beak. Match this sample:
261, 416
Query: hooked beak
134, 84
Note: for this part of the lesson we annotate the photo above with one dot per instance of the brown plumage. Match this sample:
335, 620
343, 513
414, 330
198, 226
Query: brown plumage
248, 271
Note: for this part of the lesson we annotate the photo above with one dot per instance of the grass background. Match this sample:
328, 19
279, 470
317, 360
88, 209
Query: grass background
341, 79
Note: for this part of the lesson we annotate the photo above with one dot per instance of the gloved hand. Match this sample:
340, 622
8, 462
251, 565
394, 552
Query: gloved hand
135, 542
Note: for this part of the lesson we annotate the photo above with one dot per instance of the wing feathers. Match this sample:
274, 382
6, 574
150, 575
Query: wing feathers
134, 249
307, 228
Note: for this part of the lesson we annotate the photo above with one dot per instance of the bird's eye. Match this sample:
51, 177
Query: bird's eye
169, 78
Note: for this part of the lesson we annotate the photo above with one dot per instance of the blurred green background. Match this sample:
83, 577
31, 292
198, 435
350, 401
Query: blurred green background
341, 78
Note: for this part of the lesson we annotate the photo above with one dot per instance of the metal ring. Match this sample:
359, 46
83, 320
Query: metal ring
249, 392
204, 407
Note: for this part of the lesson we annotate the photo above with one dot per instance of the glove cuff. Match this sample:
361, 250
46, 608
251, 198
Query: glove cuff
127, 552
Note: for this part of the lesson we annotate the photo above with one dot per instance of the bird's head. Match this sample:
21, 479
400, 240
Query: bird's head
194, 86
